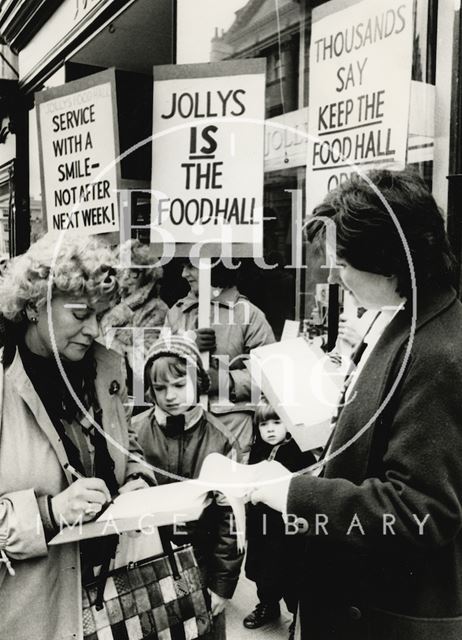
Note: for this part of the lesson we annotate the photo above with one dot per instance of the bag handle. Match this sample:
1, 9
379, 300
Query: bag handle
104, 573
169, 552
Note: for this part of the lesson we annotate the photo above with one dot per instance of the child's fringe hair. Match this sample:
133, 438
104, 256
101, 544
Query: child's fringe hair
263, 413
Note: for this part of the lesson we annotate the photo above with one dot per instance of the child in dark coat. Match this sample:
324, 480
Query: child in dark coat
272, 552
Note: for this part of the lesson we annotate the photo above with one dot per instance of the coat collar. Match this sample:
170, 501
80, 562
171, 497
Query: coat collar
21, 382
358, 419
227, 298
109, 385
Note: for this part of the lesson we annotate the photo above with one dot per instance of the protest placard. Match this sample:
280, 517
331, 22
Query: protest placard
208, 147
78, 138
359, 107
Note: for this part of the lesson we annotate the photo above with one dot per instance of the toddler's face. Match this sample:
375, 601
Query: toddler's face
272, 431
175, 395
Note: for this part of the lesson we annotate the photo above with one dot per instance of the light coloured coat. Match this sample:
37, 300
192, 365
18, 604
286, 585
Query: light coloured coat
239, 327
43, 600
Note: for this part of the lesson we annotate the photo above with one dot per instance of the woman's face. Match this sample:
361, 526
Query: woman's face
74, 325
369, 290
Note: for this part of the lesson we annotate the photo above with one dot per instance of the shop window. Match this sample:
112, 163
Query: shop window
421, 117
274, 66
421, 121
250, 30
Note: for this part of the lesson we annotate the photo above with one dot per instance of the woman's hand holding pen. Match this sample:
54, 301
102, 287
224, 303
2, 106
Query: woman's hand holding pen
81, 501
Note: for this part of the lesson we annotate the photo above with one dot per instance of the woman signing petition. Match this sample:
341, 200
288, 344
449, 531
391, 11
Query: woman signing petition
62, 393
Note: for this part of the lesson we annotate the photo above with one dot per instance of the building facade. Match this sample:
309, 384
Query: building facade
57, 42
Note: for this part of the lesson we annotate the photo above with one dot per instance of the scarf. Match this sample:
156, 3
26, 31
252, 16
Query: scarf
60, 405
176, 425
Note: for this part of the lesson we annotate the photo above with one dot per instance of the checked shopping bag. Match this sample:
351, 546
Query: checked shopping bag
162, 597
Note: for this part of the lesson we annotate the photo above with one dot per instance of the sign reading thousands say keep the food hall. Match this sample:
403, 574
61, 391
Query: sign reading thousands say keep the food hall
360, 80
78, 139
208, 148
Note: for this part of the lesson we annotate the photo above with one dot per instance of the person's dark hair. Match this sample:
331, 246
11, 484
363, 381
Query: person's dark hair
263, 412
367, 236
222, 276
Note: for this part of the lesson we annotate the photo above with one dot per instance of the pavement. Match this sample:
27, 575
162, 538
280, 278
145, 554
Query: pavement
243, 602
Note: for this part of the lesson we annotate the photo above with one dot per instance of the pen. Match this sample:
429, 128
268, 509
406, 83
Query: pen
73, 471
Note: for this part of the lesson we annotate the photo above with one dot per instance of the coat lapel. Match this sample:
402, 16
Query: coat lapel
111, 405
377, 386
27, 392
109, 385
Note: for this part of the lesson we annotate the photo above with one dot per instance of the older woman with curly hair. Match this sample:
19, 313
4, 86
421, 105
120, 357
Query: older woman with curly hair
62, 393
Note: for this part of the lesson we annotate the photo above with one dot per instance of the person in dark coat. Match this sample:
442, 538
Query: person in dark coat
383, 521
271, 554
176, 436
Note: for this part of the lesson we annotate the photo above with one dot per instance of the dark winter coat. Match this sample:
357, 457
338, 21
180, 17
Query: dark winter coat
364, 582
213, 535
273, 550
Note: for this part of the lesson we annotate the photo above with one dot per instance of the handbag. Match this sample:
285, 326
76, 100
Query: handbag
158, 597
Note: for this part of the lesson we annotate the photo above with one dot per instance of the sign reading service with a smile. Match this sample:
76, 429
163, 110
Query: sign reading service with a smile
78, 138
208, 146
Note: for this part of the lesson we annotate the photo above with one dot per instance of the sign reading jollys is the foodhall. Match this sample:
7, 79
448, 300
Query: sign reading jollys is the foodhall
208, 145
360, 80
78, 139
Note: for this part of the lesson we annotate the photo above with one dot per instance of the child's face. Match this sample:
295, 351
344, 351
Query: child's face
272, 431
174, 395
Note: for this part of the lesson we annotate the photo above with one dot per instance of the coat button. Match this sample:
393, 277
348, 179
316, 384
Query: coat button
355, 613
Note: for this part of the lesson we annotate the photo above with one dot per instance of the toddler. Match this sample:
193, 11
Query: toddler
271, 552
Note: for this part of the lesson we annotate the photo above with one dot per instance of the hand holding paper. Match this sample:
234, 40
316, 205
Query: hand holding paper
273, 485
173, 503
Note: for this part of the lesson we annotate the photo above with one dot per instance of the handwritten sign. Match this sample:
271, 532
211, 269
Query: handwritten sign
207, 171
359, 106
78, 140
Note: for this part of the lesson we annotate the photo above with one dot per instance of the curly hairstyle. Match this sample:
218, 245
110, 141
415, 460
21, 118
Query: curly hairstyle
80, 266
366, 234
142, 255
